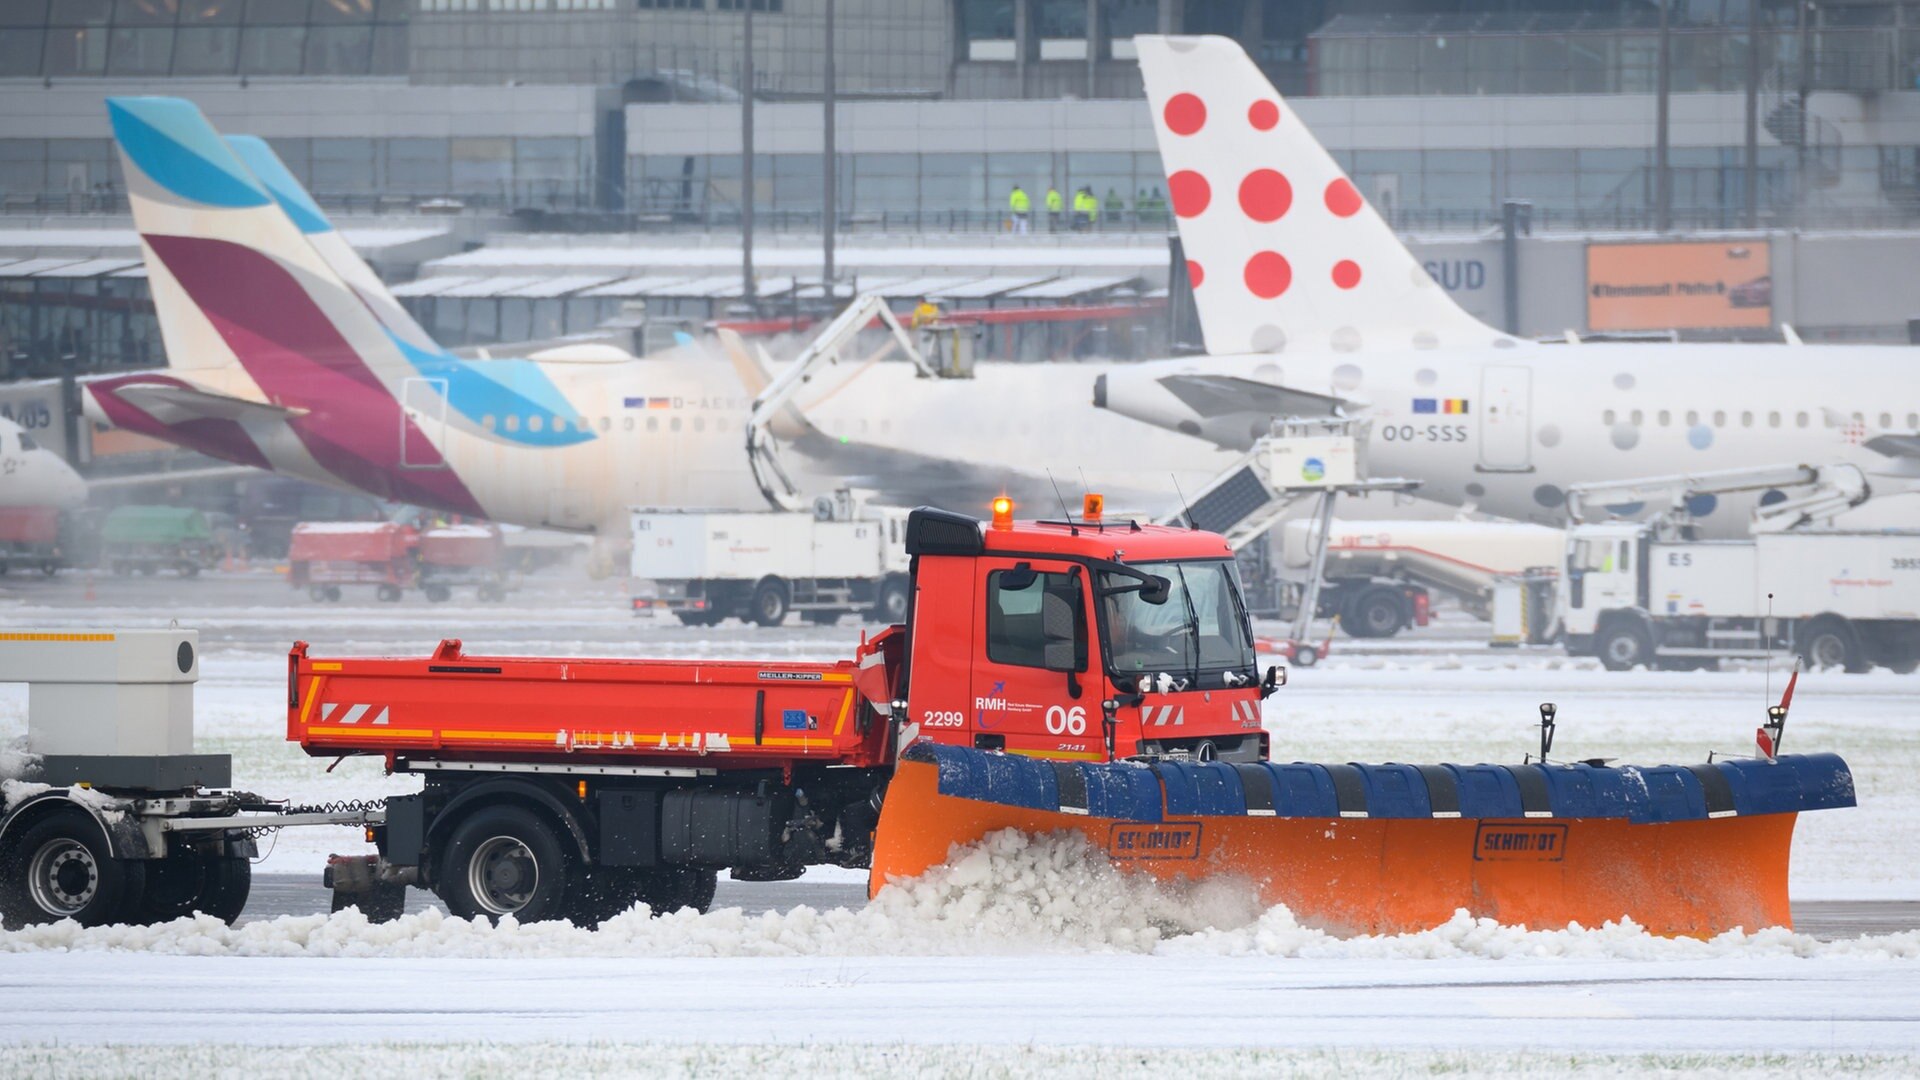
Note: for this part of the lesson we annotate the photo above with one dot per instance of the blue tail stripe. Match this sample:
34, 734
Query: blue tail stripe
175, 147
267, 168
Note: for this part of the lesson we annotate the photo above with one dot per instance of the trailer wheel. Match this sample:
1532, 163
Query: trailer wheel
388, 593
502, 861
383, 903
1830, 643
438, 594
698, 618
1306, 655
317, 593
189, 569
769, 607
60, 869
1379, 612
333, 594
1624, 646
821, 618
182, 884
891, 607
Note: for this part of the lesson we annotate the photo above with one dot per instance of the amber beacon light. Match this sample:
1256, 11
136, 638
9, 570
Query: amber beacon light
1003, 513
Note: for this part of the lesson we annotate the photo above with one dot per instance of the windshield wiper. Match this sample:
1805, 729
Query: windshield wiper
1193, 627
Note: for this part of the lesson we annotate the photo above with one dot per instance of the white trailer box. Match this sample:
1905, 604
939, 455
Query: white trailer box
705, 546
1867, 575
1714, 579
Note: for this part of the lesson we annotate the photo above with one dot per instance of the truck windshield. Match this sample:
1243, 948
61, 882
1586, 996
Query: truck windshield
1202, 627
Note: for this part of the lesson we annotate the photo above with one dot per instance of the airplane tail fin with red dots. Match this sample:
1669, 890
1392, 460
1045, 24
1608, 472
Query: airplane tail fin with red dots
1283, 252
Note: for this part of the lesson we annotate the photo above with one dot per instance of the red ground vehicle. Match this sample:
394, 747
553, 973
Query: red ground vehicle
1049, 676
30, 539
570, 786
455, 555
322, 556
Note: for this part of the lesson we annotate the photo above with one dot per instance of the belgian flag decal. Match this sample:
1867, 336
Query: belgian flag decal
1452, 406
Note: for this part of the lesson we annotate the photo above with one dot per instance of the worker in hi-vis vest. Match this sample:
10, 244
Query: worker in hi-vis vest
1055, 204
1022, 206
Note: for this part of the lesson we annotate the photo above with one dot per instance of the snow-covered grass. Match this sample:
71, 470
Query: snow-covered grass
671, 1061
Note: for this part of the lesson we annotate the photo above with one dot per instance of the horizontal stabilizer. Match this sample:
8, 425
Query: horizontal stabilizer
1224, 395
177, 404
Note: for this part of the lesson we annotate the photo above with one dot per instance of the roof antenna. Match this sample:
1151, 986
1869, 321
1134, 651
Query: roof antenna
1064, 512
1191, 524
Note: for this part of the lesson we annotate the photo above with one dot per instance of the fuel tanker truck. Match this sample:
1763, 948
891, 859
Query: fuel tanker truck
1082, 676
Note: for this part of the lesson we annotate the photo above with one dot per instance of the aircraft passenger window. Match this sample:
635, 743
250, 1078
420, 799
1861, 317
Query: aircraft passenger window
1665, 416
559, 423
513, 422
536, 422
1886, 421
605, 423
1720, 417
674, 424
626, 422
1913, 419
1746, 419
1692, 418
653, 423
699, 423
1607, 417
487, 421
1800, 419
1637, 417
1773, 419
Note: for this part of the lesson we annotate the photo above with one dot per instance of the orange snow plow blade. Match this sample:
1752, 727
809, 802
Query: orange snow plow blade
1398, 848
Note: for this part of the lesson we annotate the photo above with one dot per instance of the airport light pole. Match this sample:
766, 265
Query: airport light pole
829, 221
1662, 174
746, 158
1753, 114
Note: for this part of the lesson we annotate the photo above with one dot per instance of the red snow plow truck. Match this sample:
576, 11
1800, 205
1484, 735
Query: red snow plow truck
1080, 675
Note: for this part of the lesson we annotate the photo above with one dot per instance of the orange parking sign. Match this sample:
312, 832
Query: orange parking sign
1694, 285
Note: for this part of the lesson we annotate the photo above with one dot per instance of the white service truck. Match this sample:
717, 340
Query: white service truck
707, 566
1646, 593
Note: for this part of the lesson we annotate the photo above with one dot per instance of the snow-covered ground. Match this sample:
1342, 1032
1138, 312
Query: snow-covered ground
1020, 959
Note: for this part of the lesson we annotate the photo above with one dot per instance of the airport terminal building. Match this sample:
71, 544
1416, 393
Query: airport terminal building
525, 168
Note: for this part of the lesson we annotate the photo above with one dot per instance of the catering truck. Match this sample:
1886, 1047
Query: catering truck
1646, 593
708, 566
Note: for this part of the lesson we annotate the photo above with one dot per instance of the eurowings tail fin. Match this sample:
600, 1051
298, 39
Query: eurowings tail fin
1283, 252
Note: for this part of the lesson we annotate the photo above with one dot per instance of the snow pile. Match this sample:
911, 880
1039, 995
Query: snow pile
1010, 894
17, 770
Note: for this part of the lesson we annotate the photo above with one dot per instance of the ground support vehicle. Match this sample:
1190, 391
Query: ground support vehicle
1644, 593
153, 538
325, 556
1086, 675
118, 819
1381, 575
30, 540
459, 556
706, 567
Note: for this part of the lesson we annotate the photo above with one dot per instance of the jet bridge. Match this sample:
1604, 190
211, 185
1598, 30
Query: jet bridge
1299, 459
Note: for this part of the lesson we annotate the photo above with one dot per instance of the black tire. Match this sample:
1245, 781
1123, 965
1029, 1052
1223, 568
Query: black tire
1306, 655
769, 606
891, 605
504, 860
1906, 665
698, 618
821, 618
333, 594
1375, 613
671, 890
490, 592
189, 569
1623, 646
49, 569
438, 594
317, 593
387, 593
1831, 643
189, 882
59, 868
610, 891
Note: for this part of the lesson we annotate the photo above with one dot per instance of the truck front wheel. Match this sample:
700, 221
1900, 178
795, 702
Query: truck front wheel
60, 868
1624, 646
504, 860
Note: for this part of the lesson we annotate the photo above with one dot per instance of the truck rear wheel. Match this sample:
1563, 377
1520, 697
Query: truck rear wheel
769, 606
1622, 646
388, 593
438, 594
504, 860
1379, 612
60, 868
1831, 643
610, 891
891, 607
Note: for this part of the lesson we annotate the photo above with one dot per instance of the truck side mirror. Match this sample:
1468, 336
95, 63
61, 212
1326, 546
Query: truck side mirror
1156, 590
1275, 679
1020, 578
